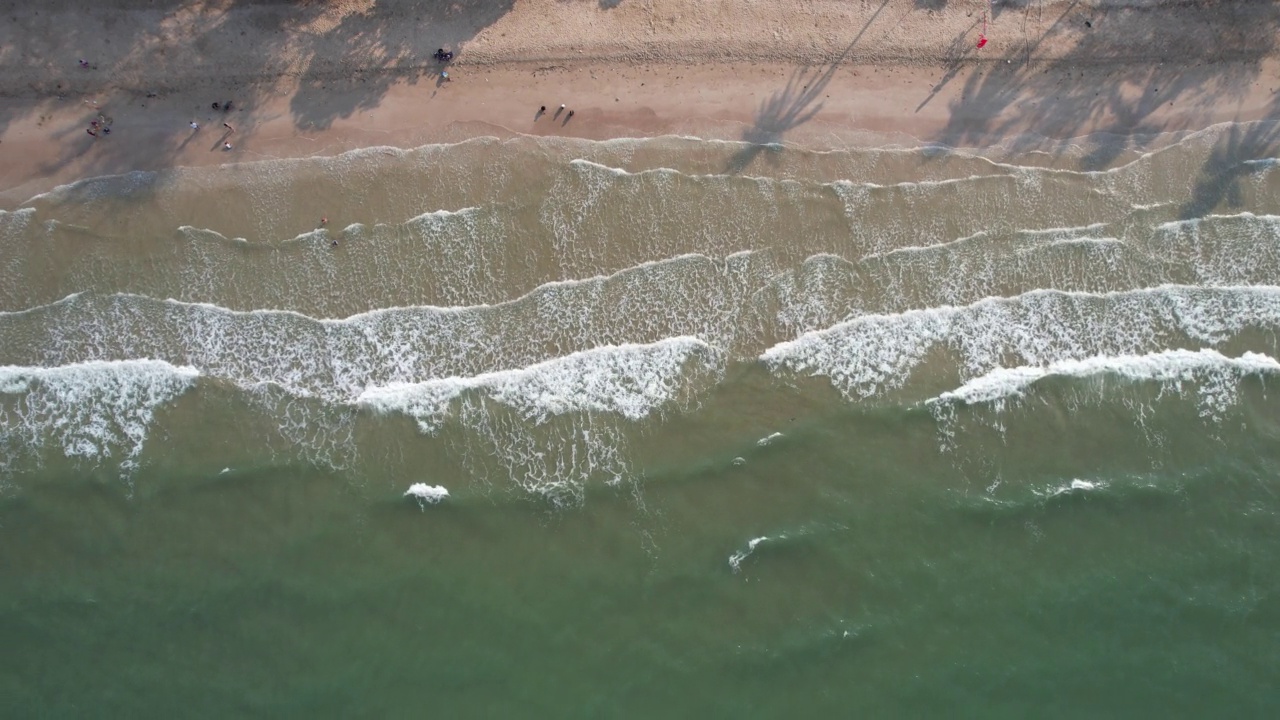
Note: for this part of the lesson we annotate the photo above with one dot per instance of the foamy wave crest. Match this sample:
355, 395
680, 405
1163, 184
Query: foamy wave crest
1214, 376
874, 354
1221, 249
735, 560
1075, 486
552, 428
1171, 368
93, 410
337, 360
627, 380
427, 494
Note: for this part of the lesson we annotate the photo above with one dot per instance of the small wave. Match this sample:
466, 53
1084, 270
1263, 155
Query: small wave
426, 494
735, 560
1171, 367
902, 185
1076, 486
627, 380
91, 409
1194, 223
87, 189
873, 354
1215, 378
764, 441
375, 313
588, 391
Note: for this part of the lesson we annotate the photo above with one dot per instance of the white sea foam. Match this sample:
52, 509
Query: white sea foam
873, 354
649, 171
93, 410
764, 441
1075, 486
1170, 367
628, 380
88, 189
426, 494
15, 221
1193, 223
735, 560
593, 390
1221, 249
338, 359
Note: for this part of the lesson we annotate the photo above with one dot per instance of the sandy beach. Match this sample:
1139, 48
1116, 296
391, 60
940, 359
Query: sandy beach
310, 78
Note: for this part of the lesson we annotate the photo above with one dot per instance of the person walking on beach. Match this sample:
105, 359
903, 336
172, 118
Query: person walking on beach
228, 127
195, 125
568, 116
226, 146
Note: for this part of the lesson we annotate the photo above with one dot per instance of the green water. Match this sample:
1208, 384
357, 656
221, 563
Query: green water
899, 590
824, 442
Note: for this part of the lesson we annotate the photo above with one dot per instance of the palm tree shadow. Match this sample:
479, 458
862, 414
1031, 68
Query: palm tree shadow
1232, 161
386, 50
790, 107
785, 109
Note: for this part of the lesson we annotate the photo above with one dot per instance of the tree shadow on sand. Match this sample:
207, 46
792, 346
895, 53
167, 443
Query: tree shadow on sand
785, 109
790, 107
393, 41
1231, 162
122, 44
335, 64
1127, 63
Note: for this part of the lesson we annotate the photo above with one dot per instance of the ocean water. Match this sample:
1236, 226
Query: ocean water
647, 428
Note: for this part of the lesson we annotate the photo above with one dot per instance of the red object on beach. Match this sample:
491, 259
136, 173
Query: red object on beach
986, 14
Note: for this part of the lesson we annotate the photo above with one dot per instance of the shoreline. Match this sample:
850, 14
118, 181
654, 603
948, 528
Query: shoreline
1068, 88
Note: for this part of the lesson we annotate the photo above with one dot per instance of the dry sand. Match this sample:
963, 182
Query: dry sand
313, 77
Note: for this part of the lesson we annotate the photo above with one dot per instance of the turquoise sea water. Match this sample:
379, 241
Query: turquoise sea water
877, 432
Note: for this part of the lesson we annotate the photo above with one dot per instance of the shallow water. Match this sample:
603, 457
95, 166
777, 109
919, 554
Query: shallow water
899, 431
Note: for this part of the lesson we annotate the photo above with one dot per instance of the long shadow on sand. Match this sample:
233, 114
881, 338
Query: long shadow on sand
392, 42
315, 42
792, 106
1126, 63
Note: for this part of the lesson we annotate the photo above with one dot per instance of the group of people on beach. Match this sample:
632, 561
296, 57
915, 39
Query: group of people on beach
102, 124
543, 111
444, 56
225, 107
